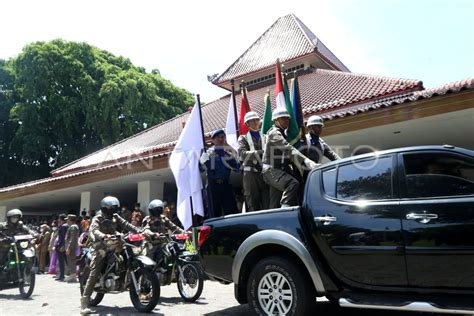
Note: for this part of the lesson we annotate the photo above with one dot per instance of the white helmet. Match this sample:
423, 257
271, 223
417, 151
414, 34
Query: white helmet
109, 201
279, 113
315, 120
12, 213
250, 116
156, 203
156, 207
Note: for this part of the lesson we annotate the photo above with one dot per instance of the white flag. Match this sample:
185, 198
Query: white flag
184, 163
231, 125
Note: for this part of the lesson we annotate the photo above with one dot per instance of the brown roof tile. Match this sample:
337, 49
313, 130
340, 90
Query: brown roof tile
286, 39
453, 87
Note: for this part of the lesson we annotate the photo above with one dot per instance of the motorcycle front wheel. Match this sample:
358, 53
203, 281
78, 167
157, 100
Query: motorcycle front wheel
190, 282
27, 285
145, 299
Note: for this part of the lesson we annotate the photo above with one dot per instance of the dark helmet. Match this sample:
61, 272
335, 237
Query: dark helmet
14, 213
156, 207
109, 205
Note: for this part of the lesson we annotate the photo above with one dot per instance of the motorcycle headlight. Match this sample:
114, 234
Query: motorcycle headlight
24, 244
137, 250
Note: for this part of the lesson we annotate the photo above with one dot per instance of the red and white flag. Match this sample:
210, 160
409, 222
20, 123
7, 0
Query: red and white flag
231, 125
280, 94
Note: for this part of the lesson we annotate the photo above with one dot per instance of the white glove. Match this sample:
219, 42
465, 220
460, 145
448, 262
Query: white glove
204, 158
310, 164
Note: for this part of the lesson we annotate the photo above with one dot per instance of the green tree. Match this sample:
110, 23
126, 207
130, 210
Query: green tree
73, 98
7, 128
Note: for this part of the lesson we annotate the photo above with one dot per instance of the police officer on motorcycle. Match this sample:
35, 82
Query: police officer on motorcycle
13, 226
106, 223
158, 226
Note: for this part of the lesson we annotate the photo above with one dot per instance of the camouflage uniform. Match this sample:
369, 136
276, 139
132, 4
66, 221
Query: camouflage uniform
9, 230
161, 225
278, 153
72, 237
97, 232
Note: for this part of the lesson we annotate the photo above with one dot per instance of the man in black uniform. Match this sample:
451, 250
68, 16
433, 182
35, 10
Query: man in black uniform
316, 147
219, 161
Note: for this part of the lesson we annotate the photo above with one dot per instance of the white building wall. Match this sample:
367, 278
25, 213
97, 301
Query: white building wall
147, 191
90, 200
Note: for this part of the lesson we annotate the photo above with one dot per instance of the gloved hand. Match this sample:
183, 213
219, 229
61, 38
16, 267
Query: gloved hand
204, 158
310, 164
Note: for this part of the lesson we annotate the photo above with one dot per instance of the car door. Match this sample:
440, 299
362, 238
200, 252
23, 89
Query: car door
438, 218
356, 221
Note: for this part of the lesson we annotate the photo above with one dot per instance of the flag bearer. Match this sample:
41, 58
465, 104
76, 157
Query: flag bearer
219, 161
256, 191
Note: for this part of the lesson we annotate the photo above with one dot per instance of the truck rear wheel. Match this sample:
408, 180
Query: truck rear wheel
276, 287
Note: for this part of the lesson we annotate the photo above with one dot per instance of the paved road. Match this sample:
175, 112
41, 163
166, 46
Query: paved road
57, 298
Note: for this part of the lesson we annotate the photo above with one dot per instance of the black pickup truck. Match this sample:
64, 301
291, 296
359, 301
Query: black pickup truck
388, 230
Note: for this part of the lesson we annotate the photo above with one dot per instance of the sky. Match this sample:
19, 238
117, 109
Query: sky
428, 40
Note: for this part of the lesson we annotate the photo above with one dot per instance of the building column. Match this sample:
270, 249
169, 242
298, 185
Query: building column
90, 200
147, 191
3, 213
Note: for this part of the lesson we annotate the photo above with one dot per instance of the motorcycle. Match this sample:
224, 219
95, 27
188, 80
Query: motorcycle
124, 269
19, 269
175, 264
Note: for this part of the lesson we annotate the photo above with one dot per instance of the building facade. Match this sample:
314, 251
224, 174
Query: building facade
362, 112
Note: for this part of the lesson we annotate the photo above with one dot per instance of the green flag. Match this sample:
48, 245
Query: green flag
267, 115
293, 132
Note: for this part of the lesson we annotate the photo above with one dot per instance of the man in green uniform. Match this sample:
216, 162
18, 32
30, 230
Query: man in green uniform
278, 153
250, 150
106, 223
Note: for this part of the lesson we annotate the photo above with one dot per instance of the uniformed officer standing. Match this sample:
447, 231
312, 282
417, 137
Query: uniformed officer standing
316, 147
278, 153
256, 191
219, 161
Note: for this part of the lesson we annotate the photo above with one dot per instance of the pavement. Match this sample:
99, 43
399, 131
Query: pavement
51, 297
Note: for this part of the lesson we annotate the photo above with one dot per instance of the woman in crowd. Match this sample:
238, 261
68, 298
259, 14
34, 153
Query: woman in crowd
52, 253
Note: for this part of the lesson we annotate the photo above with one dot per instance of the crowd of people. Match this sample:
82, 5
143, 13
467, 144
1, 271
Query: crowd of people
59, 243
59, 239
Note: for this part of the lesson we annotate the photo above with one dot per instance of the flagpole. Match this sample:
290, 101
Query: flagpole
198, 97
204, 146
300, 106
237, 127
200, 118
279, 70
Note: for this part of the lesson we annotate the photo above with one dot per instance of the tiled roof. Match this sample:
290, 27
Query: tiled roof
286, 39
322, 91
453, 87
72, 174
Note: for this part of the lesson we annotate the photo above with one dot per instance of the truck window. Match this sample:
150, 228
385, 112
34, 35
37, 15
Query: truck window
329, 182
366, 180
438, 175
